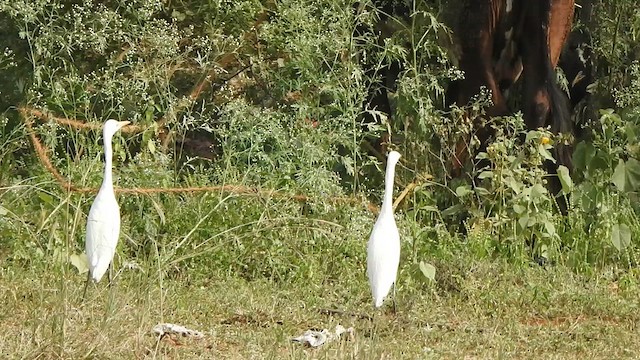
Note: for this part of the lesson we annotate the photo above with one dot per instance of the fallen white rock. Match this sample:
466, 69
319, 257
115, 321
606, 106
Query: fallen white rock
315, 338
172, 329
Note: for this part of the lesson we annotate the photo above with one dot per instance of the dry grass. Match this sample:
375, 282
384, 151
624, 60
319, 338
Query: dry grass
494, 311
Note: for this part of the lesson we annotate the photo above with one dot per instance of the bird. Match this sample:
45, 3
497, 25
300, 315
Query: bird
103, 222
383, 248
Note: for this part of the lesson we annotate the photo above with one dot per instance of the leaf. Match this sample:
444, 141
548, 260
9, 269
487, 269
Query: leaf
514, 185
80, 262
545, 153
589, 197
533, 134
618, 178
485, 175
348, 165
429, 208
565, 179
633, 173
46, 198
452, 210
550, 228
524, 221
599, 161
462, 191
3, 211
518, 209
151, 145
178, 15
159, 210
428, 270
620, 236
583, 154
537, 191
626, 176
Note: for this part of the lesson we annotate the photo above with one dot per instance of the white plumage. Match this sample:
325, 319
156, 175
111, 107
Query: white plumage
383, 249
103, 222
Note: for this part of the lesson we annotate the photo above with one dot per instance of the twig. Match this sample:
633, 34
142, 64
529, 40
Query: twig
41, 152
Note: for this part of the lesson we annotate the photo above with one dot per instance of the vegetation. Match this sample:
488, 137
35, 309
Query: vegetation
250, 175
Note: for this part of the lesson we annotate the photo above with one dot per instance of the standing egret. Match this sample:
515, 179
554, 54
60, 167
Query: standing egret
103, 222
383, 250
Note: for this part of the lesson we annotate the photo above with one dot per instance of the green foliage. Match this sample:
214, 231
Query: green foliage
282, 110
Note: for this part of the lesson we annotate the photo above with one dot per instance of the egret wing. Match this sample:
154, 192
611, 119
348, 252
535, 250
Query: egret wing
383, 258
103, 229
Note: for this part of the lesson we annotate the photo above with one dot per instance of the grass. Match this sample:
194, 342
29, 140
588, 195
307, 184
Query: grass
495, 310
272, 94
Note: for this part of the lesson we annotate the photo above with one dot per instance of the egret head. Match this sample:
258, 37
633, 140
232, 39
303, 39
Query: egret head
111, 126
393, 157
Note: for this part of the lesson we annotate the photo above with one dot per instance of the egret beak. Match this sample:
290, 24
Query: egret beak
122, 124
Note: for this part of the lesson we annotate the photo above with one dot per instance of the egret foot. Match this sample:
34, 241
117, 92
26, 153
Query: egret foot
86, 285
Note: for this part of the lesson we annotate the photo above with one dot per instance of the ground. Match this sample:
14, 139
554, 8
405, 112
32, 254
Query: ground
481, 310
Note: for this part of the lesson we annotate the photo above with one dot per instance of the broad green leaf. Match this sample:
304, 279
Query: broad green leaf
462, 191
514, 185
46, 198
618, 178
80, 262
545, 153
524, 221
531, 135
544, 251
583, 154
482, 155
626, 176
485, 175
428, 270
606, 112
178, 15
620, 236
633, 173
551, 229
599, 161
589, 197
565, 179
537, 191
518, 209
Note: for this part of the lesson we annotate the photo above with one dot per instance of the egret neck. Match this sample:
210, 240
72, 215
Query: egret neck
387, 201
108, 155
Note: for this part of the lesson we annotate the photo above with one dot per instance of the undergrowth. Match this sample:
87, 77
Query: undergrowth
274, 96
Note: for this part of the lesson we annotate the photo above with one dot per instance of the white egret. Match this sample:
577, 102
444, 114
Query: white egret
383, 249
103, 222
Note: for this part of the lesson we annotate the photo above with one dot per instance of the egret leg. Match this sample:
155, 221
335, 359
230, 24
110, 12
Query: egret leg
86, 285
394, 299
109, 275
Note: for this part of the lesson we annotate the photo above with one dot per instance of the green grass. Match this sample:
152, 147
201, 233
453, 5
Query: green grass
495, 310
